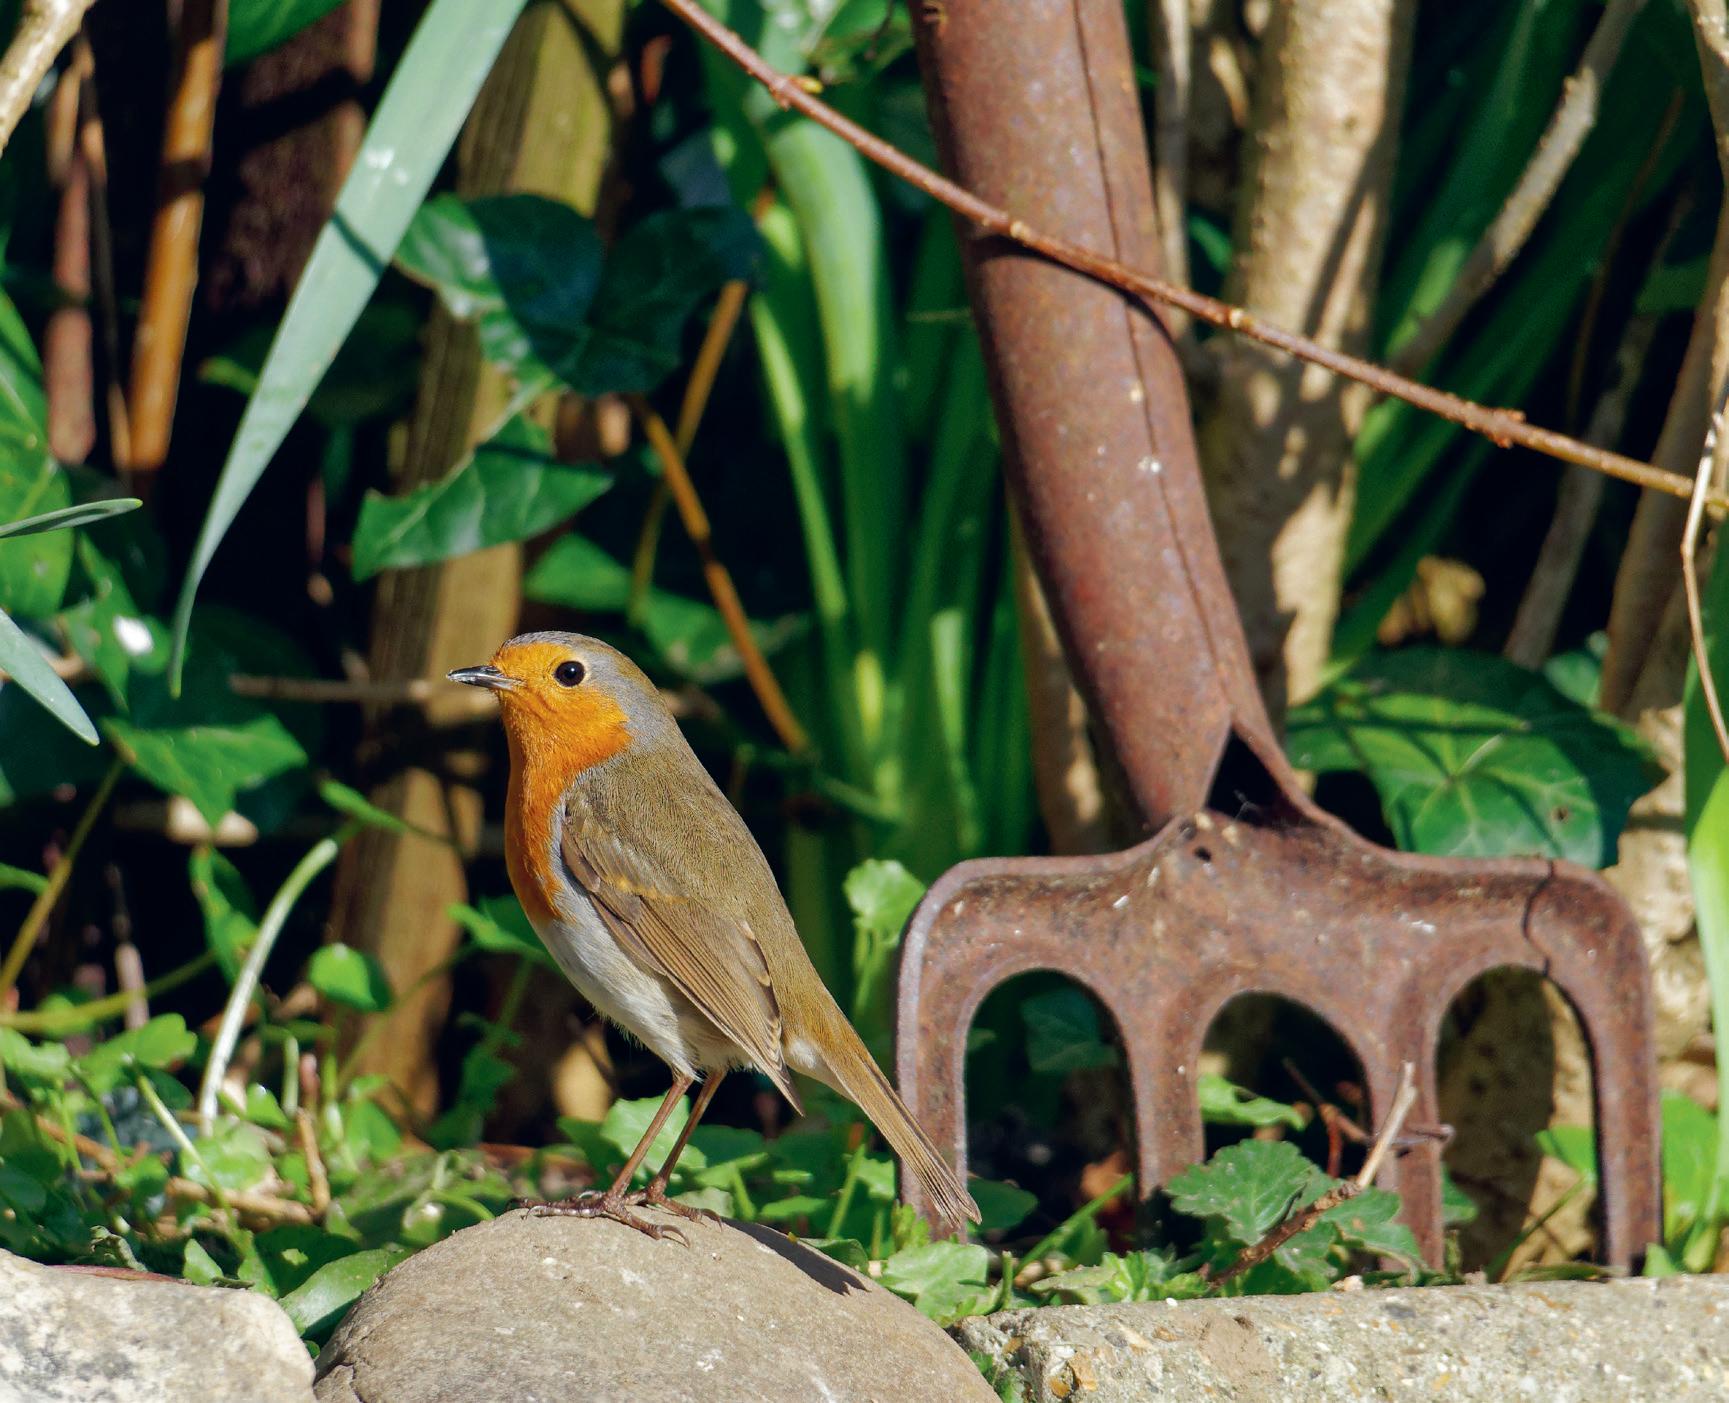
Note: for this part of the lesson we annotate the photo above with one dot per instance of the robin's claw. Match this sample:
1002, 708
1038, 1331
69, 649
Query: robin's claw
593, 1204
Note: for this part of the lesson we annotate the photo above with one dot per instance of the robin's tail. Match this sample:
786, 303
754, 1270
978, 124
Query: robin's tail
847, 1066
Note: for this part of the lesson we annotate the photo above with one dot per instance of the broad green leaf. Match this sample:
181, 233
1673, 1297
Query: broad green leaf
943, 1279
349, 977
40, 753
1001, 1206
256, 26
208, 745
280, 1259
27, 666
162, 1042
411, 133
528, 272
46, 1064
660, 272
1248, 1187
627, 1122
501, 927
1457, 1207
262, 1108
320, 1301
109, 630
230, 918
1223, 1102
197, 1265
882, 895
509, 488
235, 1157
1473, 756
1368, 1222
34, 567
1063, 1032
66, 517
523, 268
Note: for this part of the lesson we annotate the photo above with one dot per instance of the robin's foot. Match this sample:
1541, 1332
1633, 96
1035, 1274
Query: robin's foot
593, 1204
654, 1196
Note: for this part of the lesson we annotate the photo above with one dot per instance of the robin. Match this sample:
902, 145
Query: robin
657, 903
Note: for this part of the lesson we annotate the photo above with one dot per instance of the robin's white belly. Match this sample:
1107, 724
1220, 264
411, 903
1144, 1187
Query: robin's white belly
638, 1000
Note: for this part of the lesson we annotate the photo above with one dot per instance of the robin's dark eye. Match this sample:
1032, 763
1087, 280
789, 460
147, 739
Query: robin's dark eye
569, 674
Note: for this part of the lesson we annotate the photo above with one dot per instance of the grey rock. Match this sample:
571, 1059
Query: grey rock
1558, 1342
71, 1336
552, 1309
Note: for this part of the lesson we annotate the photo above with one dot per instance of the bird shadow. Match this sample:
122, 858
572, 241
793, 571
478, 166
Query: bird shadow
824, 1271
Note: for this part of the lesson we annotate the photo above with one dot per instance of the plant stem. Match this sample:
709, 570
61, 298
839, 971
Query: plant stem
64, 1022
275, 917
44, 28
762, 679
37, 917
1502, 427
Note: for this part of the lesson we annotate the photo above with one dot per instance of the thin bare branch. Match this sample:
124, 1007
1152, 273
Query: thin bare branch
1503, 427
1570, 124
756, 669
45, 27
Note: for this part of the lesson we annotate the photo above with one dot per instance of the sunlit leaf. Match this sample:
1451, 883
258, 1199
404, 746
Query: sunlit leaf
349, 977
1473, 756
510, 488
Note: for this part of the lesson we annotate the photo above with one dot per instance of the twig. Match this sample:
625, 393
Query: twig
416, 691
321, 855
1305, 1218
44, 29
46, 899
251, 1203
762, 679
68, 1019
93, 148
172, 272
68, 371
696, 394
1569, 125
1502, 427
318, 1181
1710, 467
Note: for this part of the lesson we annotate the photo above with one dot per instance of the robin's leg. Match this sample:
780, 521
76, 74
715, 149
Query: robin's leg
655, 1193
614, 1203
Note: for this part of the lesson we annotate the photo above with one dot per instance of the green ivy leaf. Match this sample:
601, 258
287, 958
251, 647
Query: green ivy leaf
320, 1301
1223, 1102
1248, 1187
45, 1064
349, 977
1368, 1222
943, 1279
163, 1042
356, 805
1473, 756
108, 629
1001, 1206
198, 1266
511, 487
501, 927
1063, 1032
626, 1122
523, 268
208, 745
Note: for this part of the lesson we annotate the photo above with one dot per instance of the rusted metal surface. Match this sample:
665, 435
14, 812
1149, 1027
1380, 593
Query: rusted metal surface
1244, 886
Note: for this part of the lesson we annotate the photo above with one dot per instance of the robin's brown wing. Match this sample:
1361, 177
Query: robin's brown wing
649, 891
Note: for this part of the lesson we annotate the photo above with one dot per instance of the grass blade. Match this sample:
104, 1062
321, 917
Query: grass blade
22, 660
417, 122
66, 517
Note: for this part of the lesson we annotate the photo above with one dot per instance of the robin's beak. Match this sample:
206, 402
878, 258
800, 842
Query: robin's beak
486, 675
